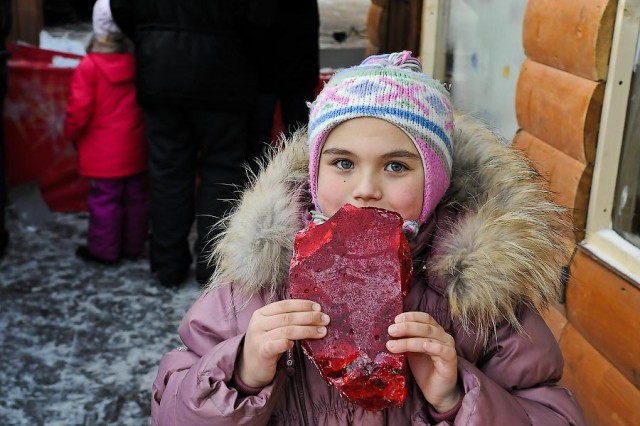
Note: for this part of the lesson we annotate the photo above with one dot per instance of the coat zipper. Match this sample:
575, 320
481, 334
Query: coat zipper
293, 355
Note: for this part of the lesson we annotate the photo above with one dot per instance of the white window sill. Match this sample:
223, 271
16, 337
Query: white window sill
616, 252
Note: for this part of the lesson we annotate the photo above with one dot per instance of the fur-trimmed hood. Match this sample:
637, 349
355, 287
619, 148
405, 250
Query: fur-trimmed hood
504, 246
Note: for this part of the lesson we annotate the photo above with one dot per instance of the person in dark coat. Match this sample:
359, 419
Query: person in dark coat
289, 68
196, 87
5, 27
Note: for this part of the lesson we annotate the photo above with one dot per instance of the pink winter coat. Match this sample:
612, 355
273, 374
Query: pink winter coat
489, 257
104, 119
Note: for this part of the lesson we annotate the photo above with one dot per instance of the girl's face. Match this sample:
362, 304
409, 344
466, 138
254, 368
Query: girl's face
369, 162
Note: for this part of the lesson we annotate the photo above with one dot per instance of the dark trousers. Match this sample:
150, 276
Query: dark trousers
118, 216
197, 166
293, 110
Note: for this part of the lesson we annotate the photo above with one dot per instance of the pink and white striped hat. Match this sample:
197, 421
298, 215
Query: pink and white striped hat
391, 87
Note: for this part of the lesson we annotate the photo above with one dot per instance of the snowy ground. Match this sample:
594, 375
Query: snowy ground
80, 344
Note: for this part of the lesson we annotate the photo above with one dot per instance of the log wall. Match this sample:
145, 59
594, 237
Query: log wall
394, 25
558, 106
27, 20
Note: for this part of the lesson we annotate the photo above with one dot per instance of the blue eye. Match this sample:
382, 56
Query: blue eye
344, 164
395, 167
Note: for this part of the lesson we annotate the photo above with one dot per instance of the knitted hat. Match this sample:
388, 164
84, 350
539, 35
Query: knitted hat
103, 24
391, 87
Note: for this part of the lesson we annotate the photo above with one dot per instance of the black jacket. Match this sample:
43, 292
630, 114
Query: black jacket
287, 56
192, 53
5, 22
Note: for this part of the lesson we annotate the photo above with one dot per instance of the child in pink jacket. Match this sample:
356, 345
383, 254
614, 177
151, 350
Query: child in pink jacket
486, 244
105, 123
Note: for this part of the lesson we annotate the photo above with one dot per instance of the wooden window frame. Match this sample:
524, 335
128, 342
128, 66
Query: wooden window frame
600, 239
433, 39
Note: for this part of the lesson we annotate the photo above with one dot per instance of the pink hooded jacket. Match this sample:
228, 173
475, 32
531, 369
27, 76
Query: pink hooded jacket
490, 256
104, 118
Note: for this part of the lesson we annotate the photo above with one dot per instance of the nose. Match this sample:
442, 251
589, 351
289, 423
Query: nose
367, 188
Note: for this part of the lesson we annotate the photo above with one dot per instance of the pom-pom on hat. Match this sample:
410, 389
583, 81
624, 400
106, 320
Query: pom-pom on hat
103, 24
391, 87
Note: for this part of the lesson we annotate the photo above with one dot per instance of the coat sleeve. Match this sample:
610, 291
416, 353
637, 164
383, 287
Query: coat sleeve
80, 102
194, 383
517, 382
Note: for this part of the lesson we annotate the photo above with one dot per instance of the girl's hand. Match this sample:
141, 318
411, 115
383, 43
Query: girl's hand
272, 330
432, 357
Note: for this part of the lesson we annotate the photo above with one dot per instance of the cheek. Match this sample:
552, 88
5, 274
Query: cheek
330, 193
408, 200
409, 206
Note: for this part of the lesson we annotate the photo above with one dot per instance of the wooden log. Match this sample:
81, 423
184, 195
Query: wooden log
605, 309
403, 24
556, 320
569, 180
27, 21
571, 35
606, 396
373, 24
560, 108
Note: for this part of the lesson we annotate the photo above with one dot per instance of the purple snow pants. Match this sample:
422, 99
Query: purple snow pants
118, 216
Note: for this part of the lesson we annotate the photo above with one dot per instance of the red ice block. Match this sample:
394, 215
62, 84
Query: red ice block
357, 266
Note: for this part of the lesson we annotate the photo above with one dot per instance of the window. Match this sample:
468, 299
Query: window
626, 205
613, 228
480, 55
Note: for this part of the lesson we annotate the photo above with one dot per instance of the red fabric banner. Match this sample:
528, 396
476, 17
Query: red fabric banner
34, 112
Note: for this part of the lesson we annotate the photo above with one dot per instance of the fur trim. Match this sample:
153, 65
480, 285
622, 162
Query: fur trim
508, 244
256, 245
505, 247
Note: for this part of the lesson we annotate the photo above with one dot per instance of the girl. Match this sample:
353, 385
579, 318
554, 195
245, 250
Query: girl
487, 251
105, 123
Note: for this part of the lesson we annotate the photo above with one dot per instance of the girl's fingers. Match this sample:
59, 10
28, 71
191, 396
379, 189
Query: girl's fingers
416, 329
272, 343
439, 350
288, 313
273, 348
421, 330
274, 327
432, 348
421, 317
289, 305
297, 332
272, 322
418, 332
415, 344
